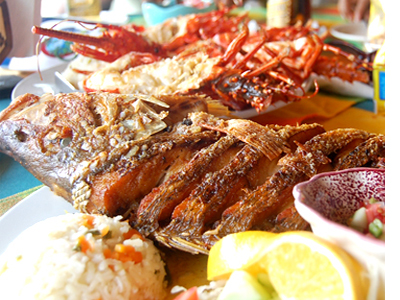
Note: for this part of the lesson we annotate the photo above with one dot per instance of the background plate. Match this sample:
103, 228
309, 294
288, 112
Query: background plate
356, 32
38, 86
38, 206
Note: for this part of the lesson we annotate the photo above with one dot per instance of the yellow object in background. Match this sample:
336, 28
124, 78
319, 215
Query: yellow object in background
282, 13
376, 41
376, 25
278, 13
378, 74
84, 8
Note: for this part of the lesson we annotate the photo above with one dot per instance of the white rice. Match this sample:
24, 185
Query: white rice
44, 262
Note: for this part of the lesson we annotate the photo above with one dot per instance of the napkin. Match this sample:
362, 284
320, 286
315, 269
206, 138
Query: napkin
34, 63
330, 110
321, 106
357, 118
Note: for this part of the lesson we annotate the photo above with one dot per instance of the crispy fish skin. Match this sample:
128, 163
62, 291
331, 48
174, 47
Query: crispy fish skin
275, 194
159, 204
287, 220
367, 153
119, 190
223, 189
167, 199
35, 136
206, 203
269, 143
68, 141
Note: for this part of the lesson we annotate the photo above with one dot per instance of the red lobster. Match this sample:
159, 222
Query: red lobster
202, 68
240, 69
297, 52
160, 40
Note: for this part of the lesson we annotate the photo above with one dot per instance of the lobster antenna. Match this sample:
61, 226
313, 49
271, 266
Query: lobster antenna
38, 46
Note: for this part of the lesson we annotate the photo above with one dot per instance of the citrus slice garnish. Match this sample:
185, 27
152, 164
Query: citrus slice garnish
300, 265
238, 251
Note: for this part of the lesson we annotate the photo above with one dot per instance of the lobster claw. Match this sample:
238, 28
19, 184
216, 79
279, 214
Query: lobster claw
113, 43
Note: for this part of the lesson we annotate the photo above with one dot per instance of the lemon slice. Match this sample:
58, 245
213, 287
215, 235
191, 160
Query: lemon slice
239, 251
299, 264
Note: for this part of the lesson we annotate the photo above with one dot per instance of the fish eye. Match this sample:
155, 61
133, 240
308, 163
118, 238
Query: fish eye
65, 142
21, 136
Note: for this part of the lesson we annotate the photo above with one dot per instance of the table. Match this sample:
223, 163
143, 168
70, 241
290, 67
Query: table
330, 110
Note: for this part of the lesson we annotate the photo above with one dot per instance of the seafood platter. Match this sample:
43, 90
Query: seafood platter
156, 168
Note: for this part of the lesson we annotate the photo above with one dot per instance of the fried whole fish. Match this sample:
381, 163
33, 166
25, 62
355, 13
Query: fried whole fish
89, 148
178, 174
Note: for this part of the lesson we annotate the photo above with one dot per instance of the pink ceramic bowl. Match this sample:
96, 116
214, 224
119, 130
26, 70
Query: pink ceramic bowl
328, 200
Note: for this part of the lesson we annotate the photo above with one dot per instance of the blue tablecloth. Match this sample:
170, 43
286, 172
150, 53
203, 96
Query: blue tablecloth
10, 170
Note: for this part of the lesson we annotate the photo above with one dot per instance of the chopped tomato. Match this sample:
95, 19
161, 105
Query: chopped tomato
376, 211
370, 219
190, 294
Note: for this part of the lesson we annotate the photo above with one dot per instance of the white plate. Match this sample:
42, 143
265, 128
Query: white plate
337, 86
38, 206
35, 85
251, 112
356, 32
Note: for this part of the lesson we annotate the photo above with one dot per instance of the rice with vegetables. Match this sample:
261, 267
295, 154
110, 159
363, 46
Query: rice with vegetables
80, 256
